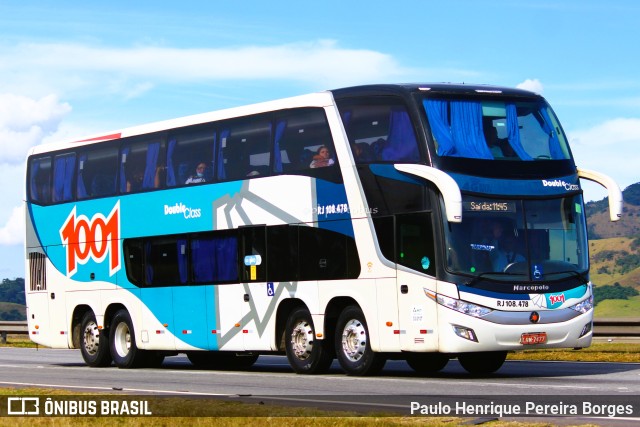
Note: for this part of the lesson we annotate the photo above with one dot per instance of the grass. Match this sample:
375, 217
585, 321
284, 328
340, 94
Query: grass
618, 307
598, 352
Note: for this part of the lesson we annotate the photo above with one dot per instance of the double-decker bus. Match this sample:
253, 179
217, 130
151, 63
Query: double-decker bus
416, 222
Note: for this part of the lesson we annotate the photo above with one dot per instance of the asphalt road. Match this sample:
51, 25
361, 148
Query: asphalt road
271, 380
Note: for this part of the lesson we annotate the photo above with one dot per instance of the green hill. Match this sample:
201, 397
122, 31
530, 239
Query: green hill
12, 311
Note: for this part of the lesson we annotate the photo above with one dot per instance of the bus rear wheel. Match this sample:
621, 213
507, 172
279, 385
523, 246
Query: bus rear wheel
124, 351
483, 362
94, 343
353, 347
305, 353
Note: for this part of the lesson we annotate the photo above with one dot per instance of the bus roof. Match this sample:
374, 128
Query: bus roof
444, 88
317, 99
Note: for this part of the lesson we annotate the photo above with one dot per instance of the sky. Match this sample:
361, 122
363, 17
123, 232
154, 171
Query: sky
73, 69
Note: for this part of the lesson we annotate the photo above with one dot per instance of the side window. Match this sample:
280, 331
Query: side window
385, 233
214, 258
40, 180
134, 260
414, 239
302, 141
63, 174
97, 172
166, 261
244, 149
141, 166
327, 255
282, 245
190, 157
380, 130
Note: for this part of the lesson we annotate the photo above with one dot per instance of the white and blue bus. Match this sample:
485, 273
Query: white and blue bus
416, 222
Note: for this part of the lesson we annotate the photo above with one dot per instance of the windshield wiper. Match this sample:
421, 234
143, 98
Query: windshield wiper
579, 275
476, 279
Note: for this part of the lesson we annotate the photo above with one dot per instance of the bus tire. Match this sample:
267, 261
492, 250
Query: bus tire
305, 353
353, 346
94, 343
124, 351
427, 363
483, 362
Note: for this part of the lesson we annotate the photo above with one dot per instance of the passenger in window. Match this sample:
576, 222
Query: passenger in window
199, 176
134, 183
322, 158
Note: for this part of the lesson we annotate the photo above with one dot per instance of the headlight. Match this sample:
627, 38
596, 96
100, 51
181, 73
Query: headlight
463, 306
583, 306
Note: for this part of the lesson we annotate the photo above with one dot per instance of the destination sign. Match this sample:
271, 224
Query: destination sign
493, 206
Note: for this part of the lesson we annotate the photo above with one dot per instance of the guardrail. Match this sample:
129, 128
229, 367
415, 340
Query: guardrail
602, 328
12, 327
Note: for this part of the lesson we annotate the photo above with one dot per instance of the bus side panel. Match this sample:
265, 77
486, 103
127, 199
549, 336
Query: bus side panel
417, 313
228, 302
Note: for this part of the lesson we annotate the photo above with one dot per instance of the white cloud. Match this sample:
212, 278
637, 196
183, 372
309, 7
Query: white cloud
24, 122
533, 85
611, 148
81, 67
13, 231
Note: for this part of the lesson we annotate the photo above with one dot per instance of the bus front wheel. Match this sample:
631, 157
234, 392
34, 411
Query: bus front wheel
94, 343
483, 362
353, 346
306, 355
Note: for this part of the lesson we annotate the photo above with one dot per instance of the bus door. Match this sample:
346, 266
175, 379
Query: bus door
415, 257
37, 296
257, 293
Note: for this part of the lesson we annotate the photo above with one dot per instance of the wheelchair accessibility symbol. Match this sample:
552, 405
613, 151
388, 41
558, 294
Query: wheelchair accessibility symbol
271, 291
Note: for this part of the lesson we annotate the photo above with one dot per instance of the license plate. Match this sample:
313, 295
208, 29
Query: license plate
533, 338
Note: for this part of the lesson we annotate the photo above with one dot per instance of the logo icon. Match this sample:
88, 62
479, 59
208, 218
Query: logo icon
23, 406
555, 299
94, 238
535, 317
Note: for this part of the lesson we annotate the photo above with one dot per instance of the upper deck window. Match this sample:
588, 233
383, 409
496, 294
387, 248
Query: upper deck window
380, 130
494, 129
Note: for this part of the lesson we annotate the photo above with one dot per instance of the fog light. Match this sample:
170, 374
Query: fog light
587, 328
466, 333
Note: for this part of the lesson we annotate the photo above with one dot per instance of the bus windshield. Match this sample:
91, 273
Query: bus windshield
519, 240
495, 129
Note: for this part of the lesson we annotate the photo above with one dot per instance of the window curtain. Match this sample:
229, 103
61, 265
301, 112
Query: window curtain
215, 259
401, 144
182, 261
123, 163
171, 174
81, 187
150, 168
222, 174
33, 183
440, 127
466, 129
281, 126
513, 132
226, 259
148, 267
63, 177
554, 143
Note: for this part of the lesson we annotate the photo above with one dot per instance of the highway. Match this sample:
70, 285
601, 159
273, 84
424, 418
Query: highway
272, 379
